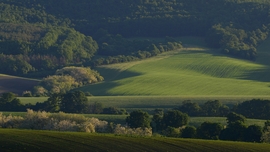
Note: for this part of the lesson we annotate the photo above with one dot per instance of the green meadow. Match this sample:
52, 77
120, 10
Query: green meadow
192, 71
149, 103
46, 141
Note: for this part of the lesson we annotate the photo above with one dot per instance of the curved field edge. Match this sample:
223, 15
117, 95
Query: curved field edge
46, 141
190, 71
15, 84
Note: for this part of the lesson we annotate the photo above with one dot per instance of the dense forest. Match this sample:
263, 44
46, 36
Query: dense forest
45, 35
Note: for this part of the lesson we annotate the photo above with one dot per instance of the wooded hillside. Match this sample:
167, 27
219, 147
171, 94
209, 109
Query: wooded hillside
42, 35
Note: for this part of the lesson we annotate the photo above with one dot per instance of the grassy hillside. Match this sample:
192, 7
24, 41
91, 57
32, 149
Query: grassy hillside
16, 84
189, 71
24, 140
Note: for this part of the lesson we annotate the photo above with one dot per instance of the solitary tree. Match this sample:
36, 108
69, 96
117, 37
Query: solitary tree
175, 118
74, 102
138, 119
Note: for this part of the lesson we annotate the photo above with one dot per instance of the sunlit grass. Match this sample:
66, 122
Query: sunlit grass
191, 71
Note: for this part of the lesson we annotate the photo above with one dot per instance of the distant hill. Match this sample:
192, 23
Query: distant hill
16, 85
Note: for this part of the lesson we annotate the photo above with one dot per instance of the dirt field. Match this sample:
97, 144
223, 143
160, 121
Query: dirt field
16, 84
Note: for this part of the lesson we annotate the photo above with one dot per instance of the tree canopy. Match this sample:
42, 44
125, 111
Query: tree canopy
38, 36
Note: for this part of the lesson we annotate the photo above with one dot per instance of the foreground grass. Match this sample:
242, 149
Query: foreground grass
45, 141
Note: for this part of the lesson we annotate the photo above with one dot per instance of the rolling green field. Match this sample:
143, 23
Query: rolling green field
45, 141
186, 72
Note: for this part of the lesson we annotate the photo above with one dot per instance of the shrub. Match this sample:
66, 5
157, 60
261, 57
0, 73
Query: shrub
120, 130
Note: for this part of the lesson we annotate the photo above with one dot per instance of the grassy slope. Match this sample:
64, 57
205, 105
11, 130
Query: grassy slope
190, 71
16, 84
24, 140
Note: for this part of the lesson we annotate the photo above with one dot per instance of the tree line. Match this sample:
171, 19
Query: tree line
174, 123
38, 36
70, 102
255, 108
77, 102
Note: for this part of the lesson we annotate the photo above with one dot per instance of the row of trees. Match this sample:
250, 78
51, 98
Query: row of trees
78, 102
71, 102
173, 123
116, 48
255, 108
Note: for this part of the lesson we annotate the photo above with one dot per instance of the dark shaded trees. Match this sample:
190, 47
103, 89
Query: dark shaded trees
74, 102
236, 128
209, 130
138, 119
191, 108
214, 108
253, 133
189, 132
9, 102
175, 118
255, 108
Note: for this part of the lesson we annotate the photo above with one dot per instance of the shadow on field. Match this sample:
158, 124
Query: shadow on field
16, 85
102, 89
262, 75
115, 74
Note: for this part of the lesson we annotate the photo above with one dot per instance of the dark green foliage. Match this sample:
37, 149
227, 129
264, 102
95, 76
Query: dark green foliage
9, 102
156, 123
236, 128
138, 119
189, 132
209, 130
253, 133
191, 108
175, 118
114, 110
214, 108
266, 126
171, 132
234, 131
95, 108
234, 118
73, 102
256, 108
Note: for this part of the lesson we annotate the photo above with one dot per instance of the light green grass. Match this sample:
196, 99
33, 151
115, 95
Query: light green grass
190, 71
45, 141
153, 102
